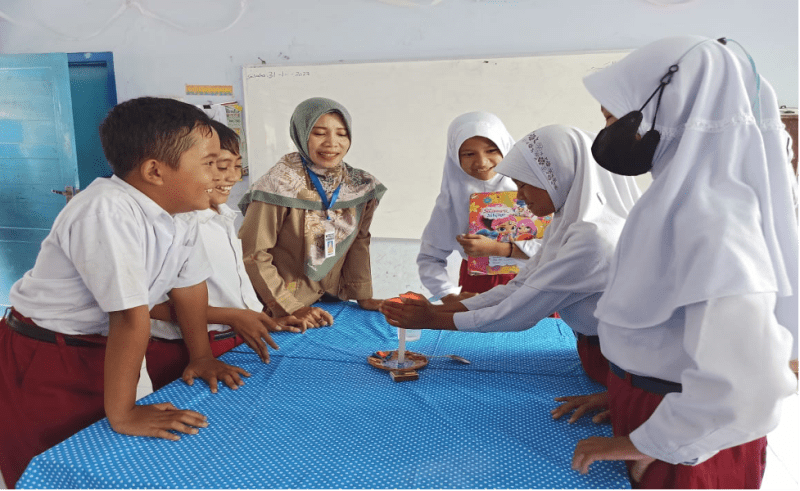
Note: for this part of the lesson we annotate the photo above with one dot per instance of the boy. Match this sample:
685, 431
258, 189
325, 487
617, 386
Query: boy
235, 313
74, 340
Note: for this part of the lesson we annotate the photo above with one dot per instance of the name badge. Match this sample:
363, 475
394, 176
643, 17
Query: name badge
330, 240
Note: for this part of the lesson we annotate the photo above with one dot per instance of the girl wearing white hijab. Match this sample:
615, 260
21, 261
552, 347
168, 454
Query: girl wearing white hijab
702, 293
476, 143
555, 173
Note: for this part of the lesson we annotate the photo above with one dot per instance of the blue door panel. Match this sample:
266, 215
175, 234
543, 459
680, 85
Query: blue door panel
37, 155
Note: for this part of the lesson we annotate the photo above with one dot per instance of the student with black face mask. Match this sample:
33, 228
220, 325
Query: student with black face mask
700, 311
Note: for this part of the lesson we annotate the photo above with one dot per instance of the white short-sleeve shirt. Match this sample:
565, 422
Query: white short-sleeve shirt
229, 286
111, 248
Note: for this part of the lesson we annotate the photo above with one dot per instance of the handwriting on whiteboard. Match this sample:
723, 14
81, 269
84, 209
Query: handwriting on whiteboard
278, 73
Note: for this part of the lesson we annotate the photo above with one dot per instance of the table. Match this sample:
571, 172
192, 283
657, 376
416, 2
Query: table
319, 416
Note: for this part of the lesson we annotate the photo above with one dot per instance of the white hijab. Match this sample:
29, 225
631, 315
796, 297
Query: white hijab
450, 216
591, 207
717, 220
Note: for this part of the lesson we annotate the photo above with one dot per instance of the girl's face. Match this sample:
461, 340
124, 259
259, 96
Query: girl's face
537, 200
610, 119
478, 157
229, 166
329, 141
507, 228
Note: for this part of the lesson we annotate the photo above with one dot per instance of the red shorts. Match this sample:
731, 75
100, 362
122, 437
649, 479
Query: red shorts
166, 359
594, 363
49, 392
740, 467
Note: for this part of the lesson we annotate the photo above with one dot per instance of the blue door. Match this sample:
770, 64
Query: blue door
37, 156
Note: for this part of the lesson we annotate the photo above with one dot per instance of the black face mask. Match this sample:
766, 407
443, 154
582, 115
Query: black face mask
616, 148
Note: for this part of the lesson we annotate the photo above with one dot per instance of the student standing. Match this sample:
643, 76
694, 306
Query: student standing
476, 143
702, 293
554, 172
235, 314
305, 234
72, 345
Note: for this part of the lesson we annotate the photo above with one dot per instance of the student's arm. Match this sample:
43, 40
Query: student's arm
432, 265
191, 305
259, 234
128, 334
477, 245
529, 247
253, 327
356, 279
520, 310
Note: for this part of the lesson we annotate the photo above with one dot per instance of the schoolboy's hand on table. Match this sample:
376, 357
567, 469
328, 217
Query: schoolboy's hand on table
254, 328
412, 312
313, 317
476, 245
583, 404
289, 323
157, 420
597, 448
370, 304
211, 370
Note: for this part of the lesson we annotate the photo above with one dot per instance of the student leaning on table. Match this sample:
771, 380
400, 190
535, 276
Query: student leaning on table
701, 306
72, 345
306, 224
554, 173
234, 312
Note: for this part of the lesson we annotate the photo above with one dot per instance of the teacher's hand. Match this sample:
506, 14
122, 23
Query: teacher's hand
313, 317
370, 304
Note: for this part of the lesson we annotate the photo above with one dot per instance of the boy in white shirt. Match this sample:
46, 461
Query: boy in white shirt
74, 341
235, 314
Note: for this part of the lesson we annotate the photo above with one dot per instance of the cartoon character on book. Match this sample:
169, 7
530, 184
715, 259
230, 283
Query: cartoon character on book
526, 229
506, 228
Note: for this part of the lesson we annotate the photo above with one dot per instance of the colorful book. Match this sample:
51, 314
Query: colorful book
501, 217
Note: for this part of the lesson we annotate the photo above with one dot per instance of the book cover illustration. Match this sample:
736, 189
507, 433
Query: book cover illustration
501, 217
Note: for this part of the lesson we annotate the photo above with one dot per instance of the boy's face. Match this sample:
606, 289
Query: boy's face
189, 187
229, 166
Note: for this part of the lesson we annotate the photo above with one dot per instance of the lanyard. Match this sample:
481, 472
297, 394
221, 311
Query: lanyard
327, 205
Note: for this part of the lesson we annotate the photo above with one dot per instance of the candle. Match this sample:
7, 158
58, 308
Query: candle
401, 348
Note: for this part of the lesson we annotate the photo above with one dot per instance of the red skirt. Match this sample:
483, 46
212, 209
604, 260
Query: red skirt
594, 363
49, 391
167, 359
480, 283
740, 467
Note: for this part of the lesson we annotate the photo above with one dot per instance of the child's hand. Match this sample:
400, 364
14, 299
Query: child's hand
481, 246
597, 448
370, 304
254, 328
211, 370
412, 311
454, 298
157, 420
582, 404
313, 317
289, 323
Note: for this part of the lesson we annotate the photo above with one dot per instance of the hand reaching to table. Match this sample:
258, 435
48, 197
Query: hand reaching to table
212, 370
312, 317
597, 448
411, 311
370, 304
158, 420
254, 328
583, 404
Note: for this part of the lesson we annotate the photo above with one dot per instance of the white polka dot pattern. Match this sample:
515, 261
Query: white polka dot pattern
319, 416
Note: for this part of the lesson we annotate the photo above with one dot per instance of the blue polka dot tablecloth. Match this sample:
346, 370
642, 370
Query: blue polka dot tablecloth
319, 416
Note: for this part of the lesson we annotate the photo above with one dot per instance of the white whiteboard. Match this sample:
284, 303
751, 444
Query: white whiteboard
401, 111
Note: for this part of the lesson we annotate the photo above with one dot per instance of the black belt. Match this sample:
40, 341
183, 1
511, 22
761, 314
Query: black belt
590, 340
648, 384
40, 333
